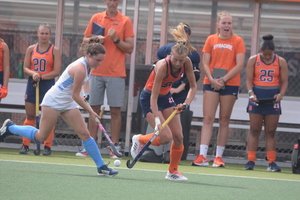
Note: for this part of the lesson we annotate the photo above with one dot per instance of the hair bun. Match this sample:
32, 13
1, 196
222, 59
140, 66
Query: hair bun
268, 37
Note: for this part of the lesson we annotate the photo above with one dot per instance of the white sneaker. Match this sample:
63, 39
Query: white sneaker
175, 177
136, 146
82, 153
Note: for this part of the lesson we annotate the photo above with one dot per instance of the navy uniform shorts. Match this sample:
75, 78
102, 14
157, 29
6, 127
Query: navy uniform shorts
163, 101
228, 90
1, 78
44, 86
268, 108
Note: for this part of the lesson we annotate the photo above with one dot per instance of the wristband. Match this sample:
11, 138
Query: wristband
211, 79
117, 41
280, 95
250, 91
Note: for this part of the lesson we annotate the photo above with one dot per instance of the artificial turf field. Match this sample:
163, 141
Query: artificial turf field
65, 176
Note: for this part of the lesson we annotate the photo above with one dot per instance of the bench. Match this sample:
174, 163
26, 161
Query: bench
289, 121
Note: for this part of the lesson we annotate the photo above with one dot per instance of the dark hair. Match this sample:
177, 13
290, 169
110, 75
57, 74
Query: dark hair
267, 43
93, 47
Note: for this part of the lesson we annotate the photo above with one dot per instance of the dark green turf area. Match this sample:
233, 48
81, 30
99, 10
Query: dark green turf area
65, 176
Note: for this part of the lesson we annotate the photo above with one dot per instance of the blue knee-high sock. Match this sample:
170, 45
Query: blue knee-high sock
92, 149
24, 131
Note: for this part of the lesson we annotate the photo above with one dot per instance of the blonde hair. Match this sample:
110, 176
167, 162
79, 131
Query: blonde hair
44, 25
222, 14
180, 49
181, 36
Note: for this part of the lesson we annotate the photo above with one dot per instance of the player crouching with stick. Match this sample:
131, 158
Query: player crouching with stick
157, 104
61, 100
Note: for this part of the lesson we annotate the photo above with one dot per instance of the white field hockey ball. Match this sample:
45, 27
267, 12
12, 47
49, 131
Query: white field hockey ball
117, 163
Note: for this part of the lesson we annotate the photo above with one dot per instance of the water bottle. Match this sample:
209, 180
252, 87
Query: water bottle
20, 69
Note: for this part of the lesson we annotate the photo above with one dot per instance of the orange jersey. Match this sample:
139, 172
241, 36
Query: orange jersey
1, 56
167, 81
266, 75
42, 62
114, 63
223, 55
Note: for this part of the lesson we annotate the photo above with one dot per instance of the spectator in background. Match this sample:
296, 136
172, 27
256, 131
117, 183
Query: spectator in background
4, 69
117, 38
62, 100
266, 77
42, 64
225, 52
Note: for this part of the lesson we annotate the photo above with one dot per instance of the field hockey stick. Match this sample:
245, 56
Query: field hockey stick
111, 144
131, 164
37, 116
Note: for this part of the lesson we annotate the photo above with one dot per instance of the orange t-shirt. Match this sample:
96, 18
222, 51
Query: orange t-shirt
1, 56
114, 63
42, 62
223, 55
266, 75
167, 81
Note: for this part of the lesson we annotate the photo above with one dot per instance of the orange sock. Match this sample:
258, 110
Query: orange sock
175, 156
48, 142
252, 156
143, 139
26, 141
271, 155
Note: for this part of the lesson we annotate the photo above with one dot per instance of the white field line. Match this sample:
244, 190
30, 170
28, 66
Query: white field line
272, 179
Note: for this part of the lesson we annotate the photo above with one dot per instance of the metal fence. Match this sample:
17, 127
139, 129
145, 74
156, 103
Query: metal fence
19, 40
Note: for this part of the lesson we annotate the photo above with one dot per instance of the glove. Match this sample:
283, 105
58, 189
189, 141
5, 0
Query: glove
182, 107
86, 97
157, 122
3, 92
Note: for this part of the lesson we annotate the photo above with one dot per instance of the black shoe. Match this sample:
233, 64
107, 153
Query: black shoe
4, 132
106, 171
24, 150
250, 165
47, 151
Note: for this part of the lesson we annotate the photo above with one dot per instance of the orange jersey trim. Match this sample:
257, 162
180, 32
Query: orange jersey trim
167, 81
114, 63
266, 75
223, 55
1, 56
42, 62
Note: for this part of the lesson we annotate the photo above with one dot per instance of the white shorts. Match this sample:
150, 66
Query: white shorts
61, 104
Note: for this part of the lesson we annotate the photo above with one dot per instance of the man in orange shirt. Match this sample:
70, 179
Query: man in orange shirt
116, 34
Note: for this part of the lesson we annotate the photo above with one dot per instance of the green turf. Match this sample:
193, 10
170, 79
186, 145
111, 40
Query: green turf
65, 176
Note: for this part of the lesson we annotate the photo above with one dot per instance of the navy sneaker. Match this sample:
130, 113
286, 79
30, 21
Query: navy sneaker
106, 171
24, 150
273, 167
47, 151
250, 165
4, 132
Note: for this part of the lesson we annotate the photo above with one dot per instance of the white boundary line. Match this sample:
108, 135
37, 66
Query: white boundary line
246, 177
